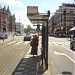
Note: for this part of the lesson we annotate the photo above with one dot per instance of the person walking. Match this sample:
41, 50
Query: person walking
3, 37
34, 48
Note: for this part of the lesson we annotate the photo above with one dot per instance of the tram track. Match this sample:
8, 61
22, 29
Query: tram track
11, 54
21, 54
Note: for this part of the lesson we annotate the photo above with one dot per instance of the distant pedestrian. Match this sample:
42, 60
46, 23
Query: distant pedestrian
72, 37
34, 48
3, 37
13, 36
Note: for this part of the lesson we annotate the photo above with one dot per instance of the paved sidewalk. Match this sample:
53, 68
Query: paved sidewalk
30, 65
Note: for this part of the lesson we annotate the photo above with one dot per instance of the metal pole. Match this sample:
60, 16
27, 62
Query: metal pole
65, 22
47, 45
48, 14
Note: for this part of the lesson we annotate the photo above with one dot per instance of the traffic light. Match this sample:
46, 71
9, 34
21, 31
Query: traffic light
48, 13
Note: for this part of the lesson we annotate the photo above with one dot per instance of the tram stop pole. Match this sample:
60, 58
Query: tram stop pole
48, 13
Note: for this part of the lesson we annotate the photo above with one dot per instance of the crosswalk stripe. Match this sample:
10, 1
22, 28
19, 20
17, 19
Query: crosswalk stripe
54, 43
49, 43
26, 42
65, 43
19, 42
58, 43
11, 42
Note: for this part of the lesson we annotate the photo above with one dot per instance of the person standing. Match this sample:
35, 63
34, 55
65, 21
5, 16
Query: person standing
3, 37
34, 48
72, 37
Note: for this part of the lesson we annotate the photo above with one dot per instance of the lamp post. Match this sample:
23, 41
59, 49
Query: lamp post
48, 14
19, 25
64, 13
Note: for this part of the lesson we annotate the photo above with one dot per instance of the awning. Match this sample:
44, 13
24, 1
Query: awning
37, 19
72, 29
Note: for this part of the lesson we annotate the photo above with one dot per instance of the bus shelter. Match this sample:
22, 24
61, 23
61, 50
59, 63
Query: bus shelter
40, 19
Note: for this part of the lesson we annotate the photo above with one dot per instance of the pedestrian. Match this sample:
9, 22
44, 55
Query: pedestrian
3, 37
13, 36
72, 37
34, 46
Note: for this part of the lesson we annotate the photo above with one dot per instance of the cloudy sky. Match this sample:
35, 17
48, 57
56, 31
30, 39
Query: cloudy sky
19, 7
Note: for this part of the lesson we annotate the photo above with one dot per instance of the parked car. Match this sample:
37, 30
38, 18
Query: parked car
3, 36
72, 44
27, 37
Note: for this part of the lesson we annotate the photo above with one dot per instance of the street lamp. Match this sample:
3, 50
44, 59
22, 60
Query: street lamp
64, 13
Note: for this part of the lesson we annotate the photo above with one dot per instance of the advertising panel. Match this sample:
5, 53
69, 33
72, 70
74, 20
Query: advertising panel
32, 10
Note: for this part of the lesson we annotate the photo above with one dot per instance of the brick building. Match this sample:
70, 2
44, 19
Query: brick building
7, 20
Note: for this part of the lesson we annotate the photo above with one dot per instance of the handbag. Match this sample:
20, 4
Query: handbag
31, 43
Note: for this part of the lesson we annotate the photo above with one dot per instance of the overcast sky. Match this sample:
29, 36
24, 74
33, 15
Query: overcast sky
19, 7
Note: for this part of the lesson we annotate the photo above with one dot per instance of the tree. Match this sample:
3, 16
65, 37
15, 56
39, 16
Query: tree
27, 29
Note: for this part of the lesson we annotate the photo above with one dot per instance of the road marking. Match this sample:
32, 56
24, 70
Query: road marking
65, 43
59, 43
63, 54
68, 49
11, 42
19, 42
50, 43
26, 42
54, 43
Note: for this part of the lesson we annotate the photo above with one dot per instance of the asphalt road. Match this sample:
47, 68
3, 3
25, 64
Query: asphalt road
11, 52
62, 59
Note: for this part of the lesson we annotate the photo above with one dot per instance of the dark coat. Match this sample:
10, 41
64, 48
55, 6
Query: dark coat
34, 48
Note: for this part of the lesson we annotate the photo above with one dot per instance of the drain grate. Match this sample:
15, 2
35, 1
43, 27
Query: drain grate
66, 73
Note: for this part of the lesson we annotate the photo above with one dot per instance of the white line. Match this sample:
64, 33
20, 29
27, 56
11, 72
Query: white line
19, 42
11, 42
62, 42
65, 43
50, 43
54, 43
59, 43
63, 54
68, 49
26, 42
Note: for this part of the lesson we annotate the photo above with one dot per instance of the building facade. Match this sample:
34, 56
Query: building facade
19, 28
7, 20
64, 19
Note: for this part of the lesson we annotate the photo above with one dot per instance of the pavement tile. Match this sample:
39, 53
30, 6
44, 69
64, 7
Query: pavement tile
32, 73
20, 68
28, 65
26, 71
22, 65
18, 73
